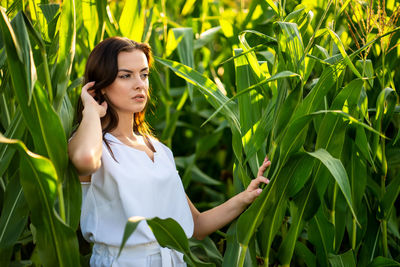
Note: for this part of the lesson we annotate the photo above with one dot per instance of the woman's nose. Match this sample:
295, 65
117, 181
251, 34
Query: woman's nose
139, 83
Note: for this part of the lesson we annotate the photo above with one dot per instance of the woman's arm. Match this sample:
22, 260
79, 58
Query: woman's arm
211, 220
85, 147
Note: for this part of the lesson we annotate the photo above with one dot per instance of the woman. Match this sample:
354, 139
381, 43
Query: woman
125, 171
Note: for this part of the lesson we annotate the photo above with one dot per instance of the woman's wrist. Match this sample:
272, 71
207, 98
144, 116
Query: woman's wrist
90, 110
241, 200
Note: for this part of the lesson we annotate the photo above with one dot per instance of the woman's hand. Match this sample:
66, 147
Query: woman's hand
253, 190
88, 101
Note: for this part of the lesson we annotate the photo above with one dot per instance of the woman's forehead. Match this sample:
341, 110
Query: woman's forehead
132, 60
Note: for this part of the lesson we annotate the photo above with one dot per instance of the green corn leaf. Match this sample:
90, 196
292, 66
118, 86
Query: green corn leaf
233, 250
185, 50
385, 106
90, 21
383, 262
206, 37
45, 69
66, 52
314, 98
43, 123
72, 193
343, 260
130, 227
14, 131
132, 20
14, 214
111, 26
392, 193
168, 234
289, 181
273, 6
342, 50
57, 243
23, 49
304, 253
291, 44
280, 75
206, 248
207, 88
250, 105
338, 172
321, 235
253, 140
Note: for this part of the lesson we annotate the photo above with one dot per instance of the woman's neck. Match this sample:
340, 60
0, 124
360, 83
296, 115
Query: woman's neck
125, 127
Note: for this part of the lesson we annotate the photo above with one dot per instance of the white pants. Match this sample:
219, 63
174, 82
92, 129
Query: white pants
143, 255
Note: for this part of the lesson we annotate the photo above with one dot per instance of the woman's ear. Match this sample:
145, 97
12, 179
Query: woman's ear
103, 91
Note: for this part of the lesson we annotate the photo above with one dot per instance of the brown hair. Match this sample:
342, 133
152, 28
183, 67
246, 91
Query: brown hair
102, 68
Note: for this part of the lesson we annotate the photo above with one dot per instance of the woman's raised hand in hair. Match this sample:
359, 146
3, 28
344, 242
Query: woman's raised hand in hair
88, 101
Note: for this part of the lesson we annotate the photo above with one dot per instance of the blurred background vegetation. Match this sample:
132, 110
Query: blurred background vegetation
313, 84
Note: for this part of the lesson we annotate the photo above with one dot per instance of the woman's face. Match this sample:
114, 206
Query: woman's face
129, 91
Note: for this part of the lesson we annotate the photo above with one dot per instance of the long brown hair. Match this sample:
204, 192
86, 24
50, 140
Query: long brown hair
102, 68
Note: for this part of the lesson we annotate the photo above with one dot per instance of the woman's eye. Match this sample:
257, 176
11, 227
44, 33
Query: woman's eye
144, 75
125, 76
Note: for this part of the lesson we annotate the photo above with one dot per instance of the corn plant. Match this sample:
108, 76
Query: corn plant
312, 86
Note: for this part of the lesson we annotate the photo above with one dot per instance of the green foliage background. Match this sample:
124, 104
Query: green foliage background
312, 84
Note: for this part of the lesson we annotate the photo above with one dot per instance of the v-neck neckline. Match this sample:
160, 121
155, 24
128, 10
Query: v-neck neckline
136, 149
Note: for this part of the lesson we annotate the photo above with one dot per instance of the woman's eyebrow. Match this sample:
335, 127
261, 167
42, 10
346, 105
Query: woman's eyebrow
126, 70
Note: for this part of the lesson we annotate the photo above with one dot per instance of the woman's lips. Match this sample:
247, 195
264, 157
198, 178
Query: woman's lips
139, 98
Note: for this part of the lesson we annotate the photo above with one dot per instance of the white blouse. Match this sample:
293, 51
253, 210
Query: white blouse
133, 186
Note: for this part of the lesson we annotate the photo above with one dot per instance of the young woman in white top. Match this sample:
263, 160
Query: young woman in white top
125, 171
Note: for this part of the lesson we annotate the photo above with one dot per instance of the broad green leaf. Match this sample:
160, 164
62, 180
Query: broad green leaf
315, 97
214, 96
304, 253
41, 120
291, 44
206, 37
130, 227
66, 52
253, 141
233, 250
14, 214
105, 16
383, 262
342, 50
332, 129
338, 172
72, 193
392, 193
14, 131
90, 21
132, 20
289, 181
321, 235
24, 54
57, 243
206, 249
280, 75
273, 6
343, 260
250, 105
45, 69
185, 50
168, 234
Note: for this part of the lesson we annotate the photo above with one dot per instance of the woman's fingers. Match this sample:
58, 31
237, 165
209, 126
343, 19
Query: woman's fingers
255, 183
264, 166
87, 86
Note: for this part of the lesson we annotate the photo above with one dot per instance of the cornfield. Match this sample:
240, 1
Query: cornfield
311, 84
